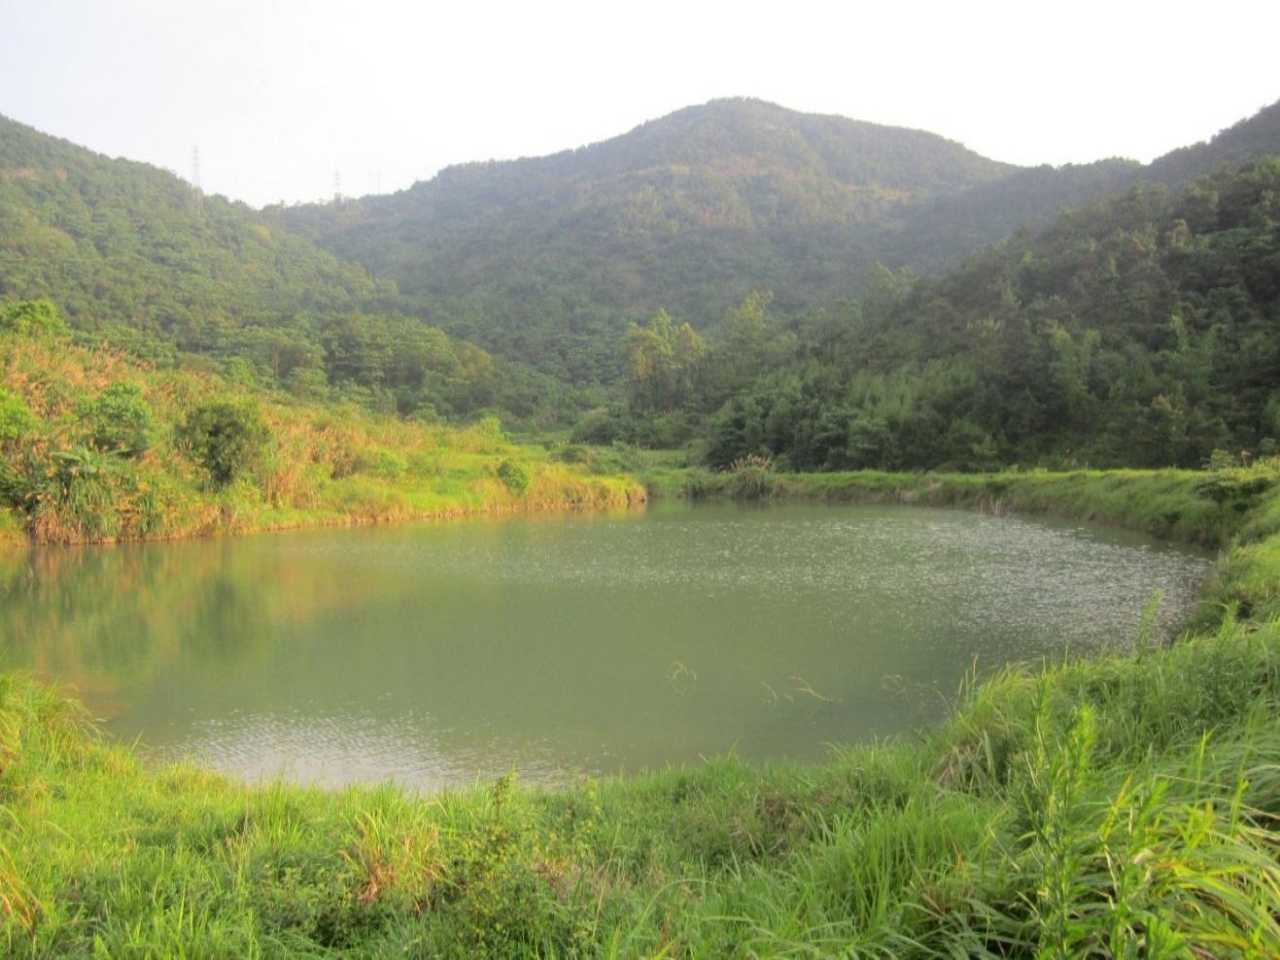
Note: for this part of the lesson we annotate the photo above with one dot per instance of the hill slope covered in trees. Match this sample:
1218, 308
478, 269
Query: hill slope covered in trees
547, 259
1140, 331
140, 259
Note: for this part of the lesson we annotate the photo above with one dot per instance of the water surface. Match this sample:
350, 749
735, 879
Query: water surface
557, 646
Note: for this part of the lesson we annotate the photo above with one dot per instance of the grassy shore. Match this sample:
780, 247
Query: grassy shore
98, 447
1121, 805
1163, 503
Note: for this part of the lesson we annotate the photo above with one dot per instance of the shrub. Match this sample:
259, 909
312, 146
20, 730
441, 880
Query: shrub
15, 417
516, 476
118, 419
598, 426
227, 439
1238, 487
388, 465
32, 318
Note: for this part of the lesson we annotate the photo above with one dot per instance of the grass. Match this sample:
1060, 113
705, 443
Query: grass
1122, 805
320, 465
1119, 806
1164, 503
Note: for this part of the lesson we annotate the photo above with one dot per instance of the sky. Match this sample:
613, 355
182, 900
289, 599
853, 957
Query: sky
288, 100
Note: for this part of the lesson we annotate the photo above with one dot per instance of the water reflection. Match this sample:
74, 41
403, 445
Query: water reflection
438, 654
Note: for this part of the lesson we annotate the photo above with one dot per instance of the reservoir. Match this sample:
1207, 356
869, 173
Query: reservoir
558, 646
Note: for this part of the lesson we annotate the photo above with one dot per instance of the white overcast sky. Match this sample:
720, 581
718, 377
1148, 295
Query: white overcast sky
279, 95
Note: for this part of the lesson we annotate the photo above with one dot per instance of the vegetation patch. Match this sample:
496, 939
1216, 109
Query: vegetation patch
97, 447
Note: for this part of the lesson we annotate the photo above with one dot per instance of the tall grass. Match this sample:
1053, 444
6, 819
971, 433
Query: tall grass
1121, 805
321, 465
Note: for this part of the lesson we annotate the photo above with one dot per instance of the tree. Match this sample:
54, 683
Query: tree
32, 318
662, 363
119, 419
227, 439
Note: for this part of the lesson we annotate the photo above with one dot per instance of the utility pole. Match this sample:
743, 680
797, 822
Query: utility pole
195, 176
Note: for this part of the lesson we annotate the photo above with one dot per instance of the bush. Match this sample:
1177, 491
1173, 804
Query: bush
516, 476
32, 318
1237, 487
388, 465
597, 426
227, 439
118, 419
751, 477
15, 417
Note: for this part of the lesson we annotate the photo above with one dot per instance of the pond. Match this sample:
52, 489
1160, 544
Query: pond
555, 646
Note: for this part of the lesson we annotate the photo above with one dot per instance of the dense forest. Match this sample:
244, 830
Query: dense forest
736, 277
549, 259
1141, 331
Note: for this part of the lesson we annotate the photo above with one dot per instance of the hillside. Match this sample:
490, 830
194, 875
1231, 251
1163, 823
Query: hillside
543, 262
96, 446
546, 258
124, 243
1138, 331
138, 258
939, 234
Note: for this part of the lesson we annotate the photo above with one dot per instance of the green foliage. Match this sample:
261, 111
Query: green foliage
15, 418
1238, 486
388, 465
599, 426
515, 476
546, 259
751, 478
118, 419
227, 439
32, 318
139, 261
663, 362
1119, 336
86, 495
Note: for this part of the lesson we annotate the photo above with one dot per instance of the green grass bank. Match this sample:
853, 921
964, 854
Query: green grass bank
1122, 805
99, 447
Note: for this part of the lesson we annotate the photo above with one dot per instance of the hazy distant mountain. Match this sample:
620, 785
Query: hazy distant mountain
940, 233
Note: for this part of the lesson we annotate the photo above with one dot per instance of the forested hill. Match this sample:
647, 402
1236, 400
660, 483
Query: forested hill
1249, 139
1139, 331
939, 234
136, 257
546, 258
118, 242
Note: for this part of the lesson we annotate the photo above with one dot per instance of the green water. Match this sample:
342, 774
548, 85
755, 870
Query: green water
438, 654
